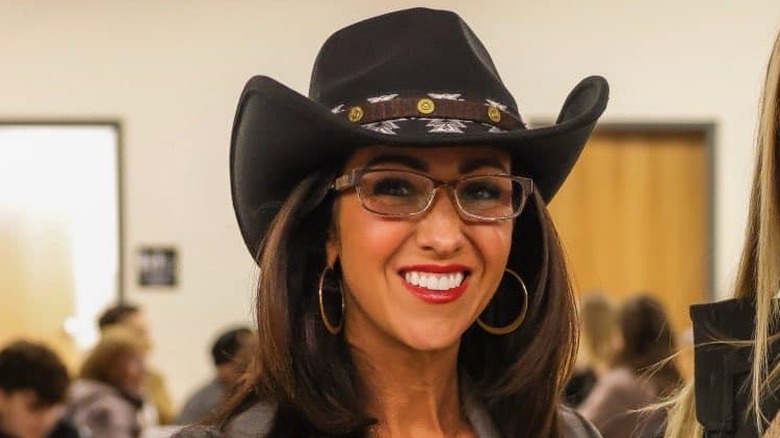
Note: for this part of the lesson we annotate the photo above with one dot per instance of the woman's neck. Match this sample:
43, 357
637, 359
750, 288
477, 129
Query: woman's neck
411, 393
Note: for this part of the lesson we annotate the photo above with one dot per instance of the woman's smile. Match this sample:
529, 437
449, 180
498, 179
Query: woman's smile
436, 284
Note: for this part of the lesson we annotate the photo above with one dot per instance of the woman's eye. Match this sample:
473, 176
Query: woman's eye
481, 191
397, 187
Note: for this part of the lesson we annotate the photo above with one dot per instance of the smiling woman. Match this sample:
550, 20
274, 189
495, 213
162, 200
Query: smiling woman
439, 242
413, 283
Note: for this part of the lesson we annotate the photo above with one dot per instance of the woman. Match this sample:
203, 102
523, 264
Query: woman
412, 282
155, 383
598, 331
746, 364
641, 373
107, 400
230, 354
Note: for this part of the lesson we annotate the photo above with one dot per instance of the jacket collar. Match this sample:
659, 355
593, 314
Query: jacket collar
723, 369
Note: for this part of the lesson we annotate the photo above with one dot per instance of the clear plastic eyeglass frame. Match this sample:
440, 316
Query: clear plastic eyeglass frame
353, 179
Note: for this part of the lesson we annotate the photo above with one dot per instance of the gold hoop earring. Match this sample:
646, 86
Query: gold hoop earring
334, 329
498, 331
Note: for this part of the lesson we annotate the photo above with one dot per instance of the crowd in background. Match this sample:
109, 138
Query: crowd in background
116, 392
625, 364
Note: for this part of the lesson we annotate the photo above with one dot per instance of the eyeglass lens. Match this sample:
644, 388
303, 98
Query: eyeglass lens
399, 193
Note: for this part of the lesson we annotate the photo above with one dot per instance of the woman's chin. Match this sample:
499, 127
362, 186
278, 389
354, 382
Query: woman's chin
432, 337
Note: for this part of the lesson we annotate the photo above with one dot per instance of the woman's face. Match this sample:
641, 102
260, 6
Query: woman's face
133, 372
418, 281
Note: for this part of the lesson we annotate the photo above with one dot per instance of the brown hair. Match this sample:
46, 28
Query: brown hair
31, 366
648, 342
116, 315
310, 375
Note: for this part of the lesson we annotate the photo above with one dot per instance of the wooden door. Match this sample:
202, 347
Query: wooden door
634, 216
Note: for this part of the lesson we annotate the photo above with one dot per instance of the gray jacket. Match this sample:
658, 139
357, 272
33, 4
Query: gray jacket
202, 403
256, 421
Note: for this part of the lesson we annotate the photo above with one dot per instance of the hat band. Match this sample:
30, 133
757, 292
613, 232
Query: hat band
416, 107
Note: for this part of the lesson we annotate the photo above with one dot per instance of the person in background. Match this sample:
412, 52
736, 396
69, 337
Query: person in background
107, 400
412, 283
642, 373
230, 354
156, 390
598, 333
33, 391
737, 341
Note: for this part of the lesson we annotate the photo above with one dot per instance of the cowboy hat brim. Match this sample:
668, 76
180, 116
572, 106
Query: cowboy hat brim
279, 136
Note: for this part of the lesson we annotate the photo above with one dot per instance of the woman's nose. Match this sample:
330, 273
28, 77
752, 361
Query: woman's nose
440, 230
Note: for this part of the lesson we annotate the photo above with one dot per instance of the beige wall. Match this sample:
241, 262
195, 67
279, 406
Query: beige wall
171, 72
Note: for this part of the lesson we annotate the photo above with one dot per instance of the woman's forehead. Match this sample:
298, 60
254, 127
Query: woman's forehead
429, 156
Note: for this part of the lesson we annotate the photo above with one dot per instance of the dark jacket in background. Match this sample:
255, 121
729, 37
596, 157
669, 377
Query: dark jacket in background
64, 429
579, 387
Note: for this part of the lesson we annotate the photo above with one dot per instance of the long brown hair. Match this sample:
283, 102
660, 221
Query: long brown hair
309, 373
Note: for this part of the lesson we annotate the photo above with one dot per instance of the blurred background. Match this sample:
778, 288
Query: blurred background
115, 122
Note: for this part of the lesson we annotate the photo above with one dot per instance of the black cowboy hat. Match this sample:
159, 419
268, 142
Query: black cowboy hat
412, 77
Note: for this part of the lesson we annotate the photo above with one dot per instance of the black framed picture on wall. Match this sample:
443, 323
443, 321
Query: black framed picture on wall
157, 266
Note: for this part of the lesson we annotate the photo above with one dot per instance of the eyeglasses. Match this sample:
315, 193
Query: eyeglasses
404, 193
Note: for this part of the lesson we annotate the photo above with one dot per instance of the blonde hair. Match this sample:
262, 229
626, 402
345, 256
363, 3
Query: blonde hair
759, 269
115, 345
597, 330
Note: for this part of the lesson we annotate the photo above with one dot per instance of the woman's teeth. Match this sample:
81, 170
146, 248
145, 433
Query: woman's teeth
434, 281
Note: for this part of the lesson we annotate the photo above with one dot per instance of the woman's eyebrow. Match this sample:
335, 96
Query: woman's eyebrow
478, 163
404, 160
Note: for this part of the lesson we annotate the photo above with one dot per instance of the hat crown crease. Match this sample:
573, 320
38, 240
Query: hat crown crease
411, 52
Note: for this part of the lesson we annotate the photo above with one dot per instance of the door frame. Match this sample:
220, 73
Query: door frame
117, 126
